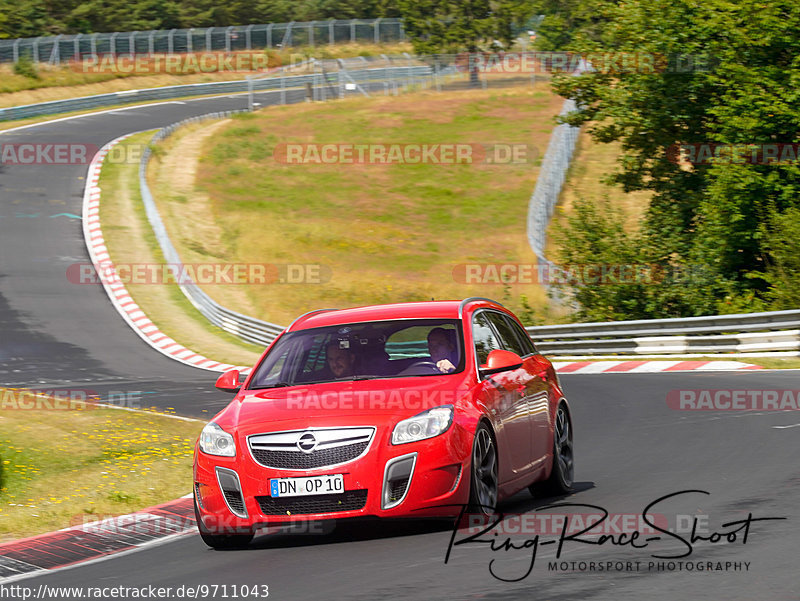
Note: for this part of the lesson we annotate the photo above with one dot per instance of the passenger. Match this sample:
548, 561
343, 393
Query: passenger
340, 360
442, 350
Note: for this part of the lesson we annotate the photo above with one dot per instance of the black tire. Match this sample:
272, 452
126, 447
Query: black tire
483, 473
221, 541
562, 475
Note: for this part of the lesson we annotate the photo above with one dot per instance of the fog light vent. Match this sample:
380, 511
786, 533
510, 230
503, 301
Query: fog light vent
232, 491
397, 480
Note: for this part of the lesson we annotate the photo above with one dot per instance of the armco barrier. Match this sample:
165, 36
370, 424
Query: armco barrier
200, 89
768, 332
244, 327
247, 328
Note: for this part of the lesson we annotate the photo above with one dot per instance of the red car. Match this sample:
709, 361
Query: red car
402, 410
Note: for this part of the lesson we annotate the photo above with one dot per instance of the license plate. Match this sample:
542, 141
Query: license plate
301, 487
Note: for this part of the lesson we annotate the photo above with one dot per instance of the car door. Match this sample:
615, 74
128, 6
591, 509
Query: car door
532, 382
502, 397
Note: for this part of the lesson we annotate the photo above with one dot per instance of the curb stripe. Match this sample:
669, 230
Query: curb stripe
117, 292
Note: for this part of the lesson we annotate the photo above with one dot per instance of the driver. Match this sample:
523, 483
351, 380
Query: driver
340, 360
442, 350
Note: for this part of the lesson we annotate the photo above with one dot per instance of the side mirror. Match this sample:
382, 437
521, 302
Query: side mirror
229, 381
500, 360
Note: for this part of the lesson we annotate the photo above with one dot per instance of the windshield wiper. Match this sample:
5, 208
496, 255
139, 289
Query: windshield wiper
275, 385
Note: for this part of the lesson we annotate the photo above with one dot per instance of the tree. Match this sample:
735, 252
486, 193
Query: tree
454, 26
725, 73
568, 20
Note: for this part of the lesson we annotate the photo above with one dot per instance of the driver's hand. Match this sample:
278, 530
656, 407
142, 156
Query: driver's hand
445, 366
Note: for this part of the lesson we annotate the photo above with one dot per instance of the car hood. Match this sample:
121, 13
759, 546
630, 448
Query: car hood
369, 402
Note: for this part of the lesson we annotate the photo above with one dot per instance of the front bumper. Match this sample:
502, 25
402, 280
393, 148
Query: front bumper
428, 478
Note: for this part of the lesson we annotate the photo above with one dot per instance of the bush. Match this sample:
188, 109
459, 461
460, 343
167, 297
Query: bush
26, 67
783, 263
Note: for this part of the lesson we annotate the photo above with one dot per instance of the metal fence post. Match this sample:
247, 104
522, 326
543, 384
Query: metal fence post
76, 47
15, 50
377, 26
248, 37
57, 49
311, 33
93, 44
171, 41
132, 43
189, 38
283, 90
151, 43
352, 30
331, 33
287, 37
112, 43
228, 39
269, 34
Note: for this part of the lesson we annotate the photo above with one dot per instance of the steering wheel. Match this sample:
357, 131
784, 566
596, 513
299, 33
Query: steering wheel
419, 364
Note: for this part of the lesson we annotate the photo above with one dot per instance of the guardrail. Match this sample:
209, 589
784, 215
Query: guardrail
247, 328
63, 48
200, 89
767, 332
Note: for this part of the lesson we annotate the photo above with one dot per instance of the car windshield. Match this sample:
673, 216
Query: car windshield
362, 351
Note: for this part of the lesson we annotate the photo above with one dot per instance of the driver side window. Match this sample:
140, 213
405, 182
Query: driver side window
483, 336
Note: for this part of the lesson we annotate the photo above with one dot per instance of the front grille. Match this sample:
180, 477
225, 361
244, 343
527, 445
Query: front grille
292, 460
397, 489
350, 500
235, 501
311, 448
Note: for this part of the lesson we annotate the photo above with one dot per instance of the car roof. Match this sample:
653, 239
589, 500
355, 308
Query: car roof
447, 309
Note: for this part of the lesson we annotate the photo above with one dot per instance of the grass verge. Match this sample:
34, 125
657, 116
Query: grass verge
383, 233
71, 466
130, 240
591, 164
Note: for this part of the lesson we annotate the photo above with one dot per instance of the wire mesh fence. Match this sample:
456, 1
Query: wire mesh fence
59, 49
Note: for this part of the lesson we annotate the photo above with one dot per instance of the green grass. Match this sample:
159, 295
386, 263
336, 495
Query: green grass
70, 466
387, 232
131, 240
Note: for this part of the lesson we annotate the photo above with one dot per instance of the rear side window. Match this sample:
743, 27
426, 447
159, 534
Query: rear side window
511, 335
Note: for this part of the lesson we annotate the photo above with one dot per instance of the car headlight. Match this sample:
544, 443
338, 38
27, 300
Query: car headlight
427, 424
216, 441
